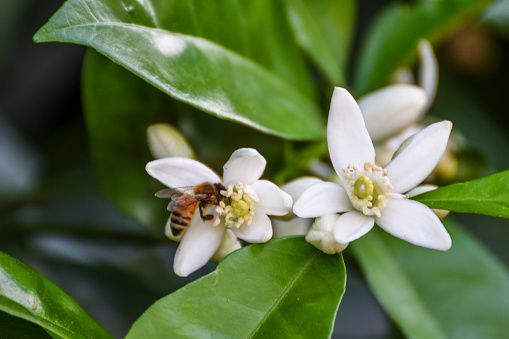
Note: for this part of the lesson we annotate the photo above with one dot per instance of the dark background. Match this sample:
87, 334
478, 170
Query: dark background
54, 217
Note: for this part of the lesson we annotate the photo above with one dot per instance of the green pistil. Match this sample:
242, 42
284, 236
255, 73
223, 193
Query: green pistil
363, 188
240, 208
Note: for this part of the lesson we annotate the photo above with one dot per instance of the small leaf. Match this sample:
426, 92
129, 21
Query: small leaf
283, 289
488, 195
324, 28
188, 68
392, 39
26, 294
461, 293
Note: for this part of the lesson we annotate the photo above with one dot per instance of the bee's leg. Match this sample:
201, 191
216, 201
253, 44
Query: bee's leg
203, 215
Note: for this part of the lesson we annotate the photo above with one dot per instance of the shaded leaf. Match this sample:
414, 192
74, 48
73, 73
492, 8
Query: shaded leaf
191, 69
13, 327
392, 39
324, 30
26, 294
285, 289
118, 110
462, 293
487, 195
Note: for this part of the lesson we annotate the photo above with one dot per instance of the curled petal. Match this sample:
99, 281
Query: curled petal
272, 199
414, 222
428, 74
245, 165
418, 156
180, 172
198, 245
391, 109
351, 226
259, 231
321, 199
348, 140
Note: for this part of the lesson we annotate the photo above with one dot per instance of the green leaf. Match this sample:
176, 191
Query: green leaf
255, 29
26, 294
392, 39
191, 69
283, 289
462, 293
487, 195
324, 28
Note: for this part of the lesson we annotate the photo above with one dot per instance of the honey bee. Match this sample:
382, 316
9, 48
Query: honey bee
185, 200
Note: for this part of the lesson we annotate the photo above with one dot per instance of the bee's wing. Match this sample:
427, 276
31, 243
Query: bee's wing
173, 193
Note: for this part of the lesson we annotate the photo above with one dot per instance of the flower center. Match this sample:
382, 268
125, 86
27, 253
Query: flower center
368, 188
240, 208
237, 206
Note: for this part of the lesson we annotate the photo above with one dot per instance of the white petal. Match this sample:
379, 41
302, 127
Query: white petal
180, 172
296, 187
418, 156
198, 245
391, 109
272, 199
420, 190
414, 222
348, 140
386, 149
229, 244
351, 226
294, 226
321, 235
426, 188
245, 165
428, 74
321, 199
260, 229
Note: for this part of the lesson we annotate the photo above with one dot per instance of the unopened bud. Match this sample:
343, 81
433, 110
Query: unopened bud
164, 141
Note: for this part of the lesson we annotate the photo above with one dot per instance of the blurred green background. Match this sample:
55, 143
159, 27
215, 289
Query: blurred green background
55, 217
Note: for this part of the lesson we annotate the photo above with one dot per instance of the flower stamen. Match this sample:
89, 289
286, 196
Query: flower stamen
237, 207
368, 188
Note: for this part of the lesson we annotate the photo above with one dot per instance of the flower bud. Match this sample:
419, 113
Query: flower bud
165, 141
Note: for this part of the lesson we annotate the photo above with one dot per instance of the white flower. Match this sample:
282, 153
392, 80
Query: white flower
367, 193
391, 113
290, 224
246, 204
321, 235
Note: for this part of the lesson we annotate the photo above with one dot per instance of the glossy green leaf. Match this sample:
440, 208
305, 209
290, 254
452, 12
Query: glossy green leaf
392, 39
26, 294
283, 289
191, 69
461, 293
487, 195
255, 29
324, 30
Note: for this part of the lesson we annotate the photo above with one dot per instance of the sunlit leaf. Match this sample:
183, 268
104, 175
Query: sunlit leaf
324, 30
487, 195
191, 69
283, 289
462, 293
392, 39
26, 294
